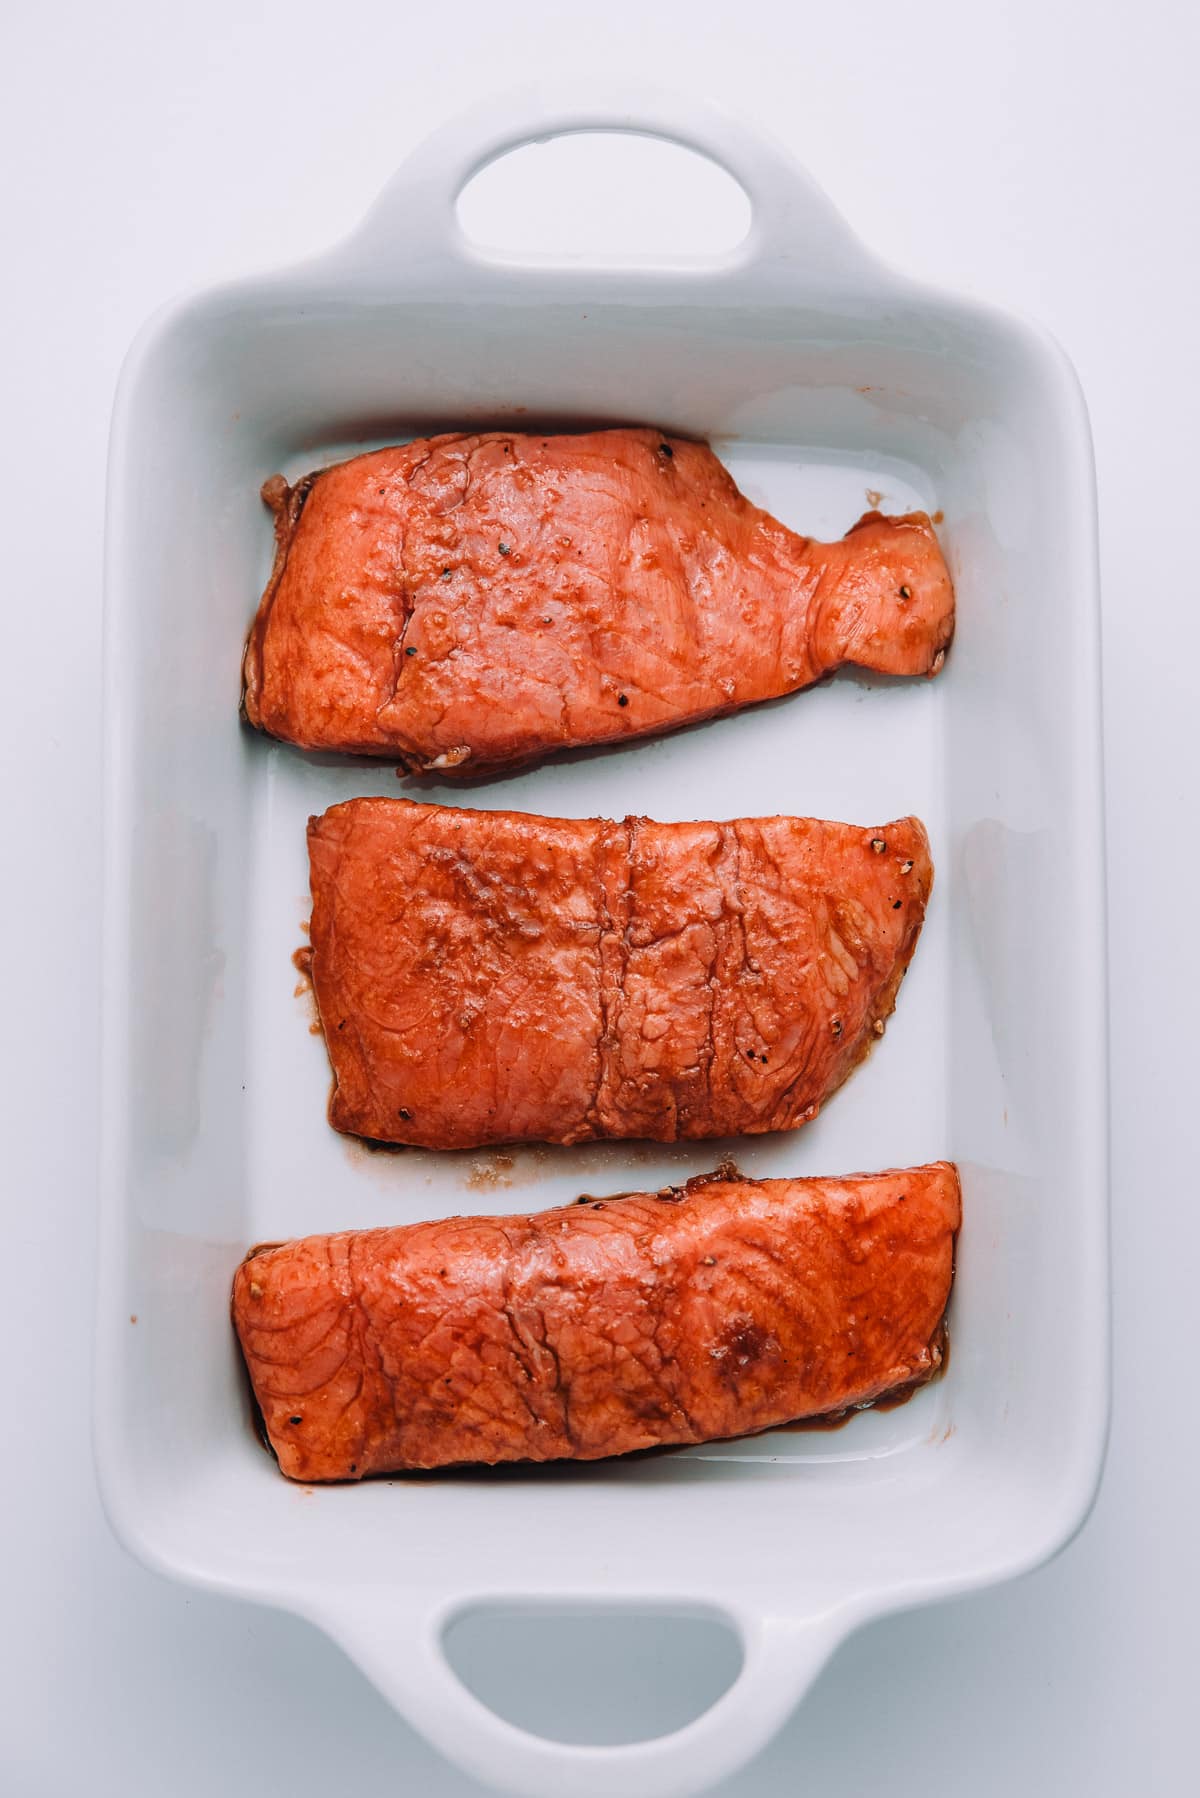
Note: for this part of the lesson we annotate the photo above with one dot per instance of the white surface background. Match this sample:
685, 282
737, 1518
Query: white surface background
1041, 155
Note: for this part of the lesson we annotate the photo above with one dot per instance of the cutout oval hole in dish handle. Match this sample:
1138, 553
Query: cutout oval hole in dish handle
595, 1677
593, 195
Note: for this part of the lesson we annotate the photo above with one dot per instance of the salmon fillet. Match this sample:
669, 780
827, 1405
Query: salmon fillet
494, 977
465, 602
710, 1310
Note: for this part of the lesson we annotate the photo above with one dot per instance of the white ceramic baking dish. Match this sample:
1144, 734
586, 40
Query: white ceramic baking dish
821, 376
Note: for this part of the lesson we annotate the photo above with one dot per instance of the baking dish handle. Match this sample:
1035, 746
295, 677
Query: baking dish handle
795, 230
405, 1659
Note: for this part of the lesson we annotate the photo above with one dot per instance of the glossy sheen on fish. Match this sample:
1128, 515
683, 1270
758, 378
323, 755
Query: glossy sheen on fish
711, 1310
464, 602
494, 977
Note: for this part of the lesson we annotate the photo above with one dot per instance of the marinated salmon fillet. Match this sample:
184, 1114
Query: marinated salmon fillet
704, 1311
494, 977
464, 602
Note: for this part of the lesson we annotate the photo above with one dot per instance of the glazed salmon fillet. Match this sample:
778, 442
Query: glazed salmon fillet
465, 602
705, 1311
497, 977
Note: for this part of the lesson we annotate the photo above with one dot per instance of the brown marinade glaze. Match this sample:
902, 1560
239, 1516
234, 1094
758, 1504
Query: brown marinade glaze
889, 1401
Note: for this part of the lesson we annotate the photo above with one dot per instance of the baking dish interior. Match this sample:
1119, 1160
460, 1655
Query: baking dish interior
217, 1086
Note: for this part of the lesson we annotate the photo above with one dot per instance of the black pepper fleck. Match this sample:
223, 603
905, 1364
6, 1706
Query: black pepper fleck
906, 592
895, 905
505, 549
664, 449
406, 1115
446, 573
295, 1420
410, 651
622, 699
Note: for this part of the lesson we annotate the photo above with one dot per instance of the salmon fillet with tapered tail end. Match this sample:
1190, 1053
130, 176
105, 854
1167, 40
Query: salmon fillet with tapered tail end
493, 977
704, 1311
465, 602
